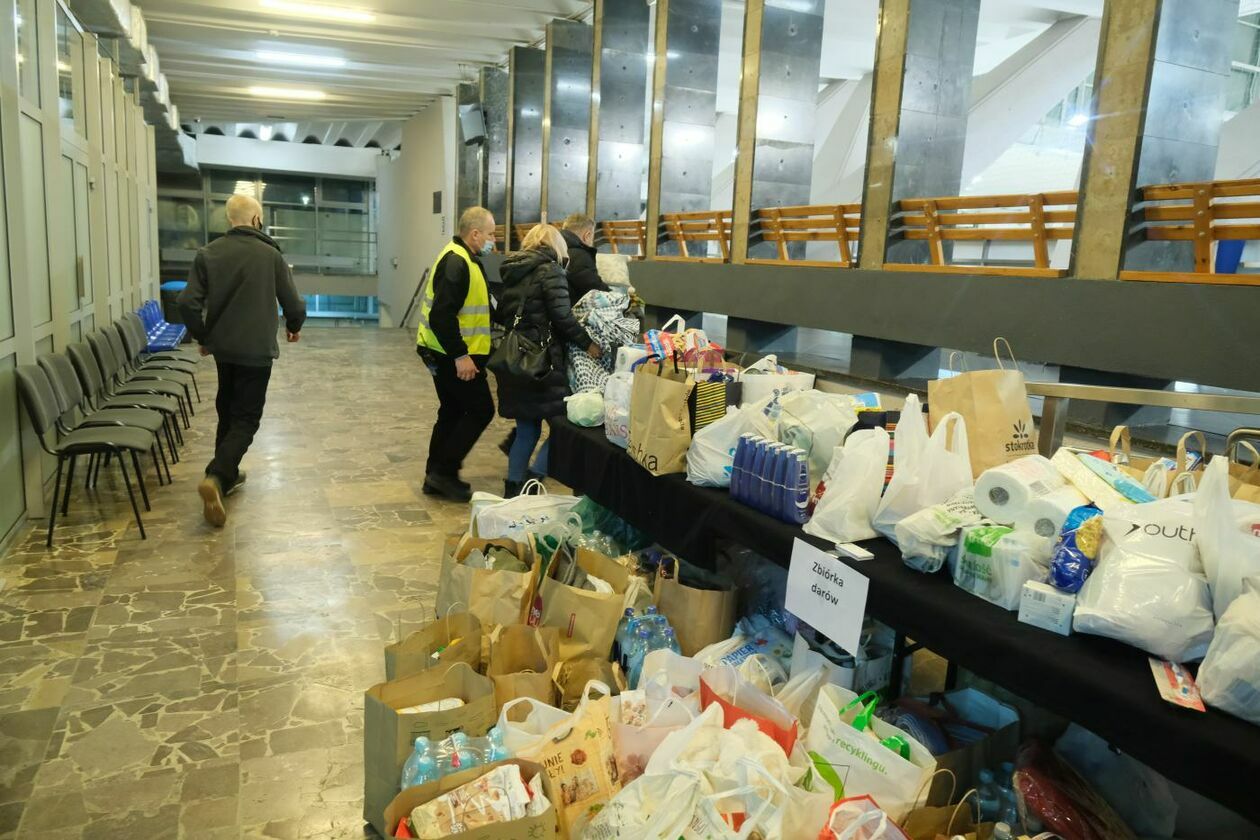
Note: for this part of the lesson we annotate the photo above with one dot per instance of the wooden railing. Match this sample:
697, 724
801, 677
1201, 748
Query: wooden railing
1195, 213
631, 232
699, 228
1039, 219
500, 238
838, 223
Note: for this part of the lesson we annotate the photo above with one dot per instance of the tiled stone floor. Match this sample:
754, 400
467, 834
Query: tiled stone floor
208, 684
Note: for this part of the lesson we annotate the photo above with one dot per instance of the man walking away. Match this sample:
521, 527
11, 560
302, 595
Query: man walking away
229, 306
579, 235
454, 341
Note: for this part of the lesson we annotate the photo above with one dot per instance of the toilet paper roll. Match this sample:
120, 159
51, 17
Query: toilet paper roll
1087, 481
1045, 516
1002, 493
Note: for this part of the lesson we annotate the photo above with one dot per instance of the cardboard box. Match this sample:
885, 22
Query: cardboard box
388, 736
871, 674
544, 826
1041, 605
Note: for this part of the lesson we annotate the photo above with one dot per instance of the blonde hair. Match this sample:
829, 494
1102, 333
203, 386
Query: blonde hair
546, 235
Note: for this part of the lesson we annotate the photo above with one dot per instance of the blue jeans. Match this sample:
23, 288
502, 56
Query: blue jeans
527, 434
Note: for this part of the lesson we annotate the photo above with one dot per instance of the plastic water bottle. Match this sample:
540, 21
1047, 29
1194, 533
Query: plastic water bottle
988, 797
623, 634
1010, 810
671, 641
1008, 773
1002, 831
498, 752
638, 650
421, 766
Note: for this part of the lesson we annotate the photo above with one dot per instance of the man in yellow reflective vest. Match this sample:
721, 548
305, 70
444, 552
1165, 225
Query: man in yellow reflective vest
454, 341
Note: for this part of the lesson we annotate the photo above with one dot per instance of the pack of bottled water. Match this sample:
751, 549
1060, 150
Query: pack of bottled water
430, 761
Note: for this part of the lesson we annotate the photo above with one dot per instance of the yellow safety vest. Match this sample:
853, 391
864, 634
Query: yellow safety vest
474, 315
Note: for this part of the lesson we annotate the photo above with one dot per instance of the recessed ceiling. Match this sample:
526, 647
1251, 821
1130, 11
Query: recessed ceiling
411, 52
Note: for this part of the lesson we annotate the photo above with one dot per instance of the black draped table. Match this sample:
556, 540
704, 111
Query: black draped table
1101, 684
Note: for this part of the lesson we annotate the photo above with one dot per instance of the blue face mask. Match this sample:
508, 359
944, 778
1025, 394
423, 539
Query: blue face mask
487, 247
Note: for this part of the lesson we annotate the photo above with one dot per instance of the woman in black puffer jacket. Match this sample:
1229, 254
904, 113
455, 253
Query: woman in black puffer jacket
535, 286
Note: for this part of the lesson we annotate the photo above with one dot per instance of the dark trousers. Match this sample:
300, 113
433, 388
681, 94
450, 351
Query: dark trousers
242, 393
464, 411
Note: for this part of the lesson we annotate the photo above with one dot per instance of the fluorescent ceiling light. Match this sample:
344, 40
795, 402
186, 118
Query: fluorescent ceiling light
315, 10
300, 59
286, 93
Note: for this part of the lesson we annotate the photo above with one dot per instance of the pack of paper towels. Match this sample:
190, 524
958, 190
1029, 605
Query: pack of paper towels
1030, 493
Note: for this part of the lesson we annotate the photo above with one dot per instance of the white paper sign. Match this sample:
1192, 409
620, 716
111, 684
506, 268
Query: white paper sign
827, 594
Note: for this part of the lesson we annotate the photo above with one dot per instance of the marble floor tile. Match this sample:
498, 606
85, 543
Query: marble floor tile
208, 683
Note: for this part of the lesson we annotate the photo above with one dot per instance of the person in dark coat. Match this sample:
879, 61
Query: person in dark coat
534, 287
579, 236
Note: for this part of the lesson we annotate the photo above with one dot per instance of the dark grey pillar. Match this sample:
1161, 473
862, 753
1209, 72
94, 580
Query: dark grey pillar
1107, 416
620, 173
567, 117
468, 174
1185, 109
745, 335
689, 105
935, 99
494, 158
527, 67
783, 158
881, 360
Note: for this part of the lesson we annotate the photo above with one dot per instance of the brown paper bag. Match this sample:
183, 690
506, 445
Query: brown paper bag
932, 821
494, 597
1244, 479
994, 403
660, 427
388, 736
699, 617
578, 754
573, 677
1121, 451
522, 663
457, 637
544, 826
587, 620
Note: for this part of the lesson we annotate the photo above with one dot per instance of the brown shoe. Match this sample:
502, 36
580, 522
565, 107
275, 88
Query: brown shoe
212, 497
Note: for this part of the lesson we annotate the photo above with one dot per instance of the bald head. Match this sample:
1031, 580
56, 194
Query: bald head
242, 210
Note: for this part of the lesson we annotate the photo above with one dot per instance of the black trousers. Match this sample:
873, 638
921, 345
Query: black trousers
464, 411
242, 394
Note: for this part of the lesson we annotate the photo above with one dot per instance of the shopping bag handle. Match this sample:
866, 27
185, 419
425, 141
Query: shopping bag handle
997, 355
1120, 435
957, 362
1250, 472
863, 718
682, 325
1183, 456
533, 487
920, 798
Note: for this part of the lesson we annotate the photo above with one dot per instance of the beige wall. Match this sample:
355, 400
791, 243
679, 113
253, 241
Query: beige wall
409, 233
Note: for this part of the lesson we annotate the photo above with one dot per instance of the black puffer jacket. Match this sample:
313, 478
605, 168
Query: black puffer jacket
534, 285
582, 274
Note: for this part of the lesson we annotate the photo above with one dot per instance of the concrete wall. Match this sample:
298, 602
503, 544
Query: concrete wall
271, 156
410, 234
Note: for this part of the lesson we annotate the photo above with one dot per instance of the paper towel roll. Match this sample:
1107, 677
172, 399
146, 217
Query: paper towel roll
1002, 493
1045, 516
1087, 481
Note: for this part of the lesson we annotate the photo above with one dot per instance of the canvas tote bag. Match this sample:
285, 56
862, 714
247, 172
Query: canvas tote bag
995, 405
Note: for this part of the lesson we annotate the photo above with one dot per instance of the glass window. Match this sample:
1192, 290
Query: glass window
345, 241
231, 183
70, 75
216, 223
293, 228
288, 189
27, 27
354, 192
32, 145
180, 225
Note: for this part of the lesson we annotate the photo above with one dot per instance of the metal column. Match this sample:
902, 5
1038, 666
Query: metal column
617, 175
468, 157
525, 149
566, 118
494, 157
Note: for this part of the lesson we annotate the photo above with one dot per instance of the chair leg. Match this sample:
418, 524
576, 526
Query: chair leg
165, 465
87, 478
65, 504
122, 465
144, 492
52, 513
196, 388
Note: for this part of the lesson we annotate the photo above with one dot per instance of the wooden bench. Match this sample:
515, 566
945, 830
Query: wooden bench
1039, 218
838, 223
1195, 211
616, 233
500, 238
699, 228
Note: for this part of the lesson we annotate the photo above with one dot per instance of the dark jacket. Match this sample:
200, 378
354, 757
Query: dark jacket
450, 288
583, 275
229, 304
534, 285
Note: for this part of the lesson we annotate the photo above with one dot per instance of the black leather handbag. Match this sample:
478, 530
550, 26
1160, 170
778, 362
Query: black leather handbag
521, 358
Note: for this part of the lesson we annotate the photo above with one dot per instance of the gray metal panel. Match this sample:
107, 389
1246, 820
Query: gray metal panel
621, 168
1190, 105
1197, 33
528, 86
494, 103
571, 48
468, 176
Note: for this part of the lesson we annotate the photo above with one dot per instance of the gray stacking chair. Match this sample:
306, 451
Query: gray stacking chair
98, 397
121, 384
135, 340
133, 370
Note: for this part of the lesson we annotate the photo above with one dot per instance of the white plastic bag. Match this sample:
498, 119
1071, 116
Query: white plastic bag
1146, 589
531, 732
765, 377
1229, 678
850, 489
514, 518
585, 409
931, 475
652, 807
817, 423
994, 562
927, 537
712, 451
860, 818
1228, 534
617, 408
768, 807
